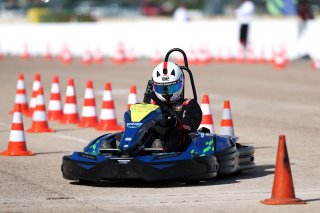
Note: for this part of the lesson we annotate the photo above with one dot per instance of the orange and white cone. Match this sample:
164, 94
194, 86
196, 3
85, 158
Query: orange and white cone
131, 55
55, 104
25, 53
89, 111
156, 58
47, 54
70, 109
120, 55
65, 55
108, 120
17, 142
97, 57
21, 96
33, 100
280, 59
207, 120
87, 57
39, 121
315, 64
132, 98
226, 121
204, 56
251, 58
1, 54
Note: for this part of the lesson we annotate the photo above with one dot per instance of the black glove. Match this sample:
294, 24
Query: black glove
168, 119
149, 90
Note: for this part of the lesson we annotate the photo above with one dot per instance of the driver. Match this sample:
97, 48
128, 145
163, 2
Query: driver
182, 116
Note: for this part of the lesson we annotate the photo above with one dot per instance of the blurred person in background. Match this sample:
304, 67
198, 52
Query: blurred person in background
181, 14
244, 14
305, 14
150, 8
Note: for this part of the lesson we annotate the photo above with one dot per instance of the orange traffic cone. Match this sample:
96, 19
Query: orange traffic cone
120, 55
25, 53
132, 98
33, 100
47, 54
108, 120
207, 120
55, 105
89, 112
251, 58
226, 121
315, 64
21, 96
156, 58
17, 142
262, 57
70, 109
280, 60
87, 57
282, 189
65, 55
192, 59
1, 54
39, 122
131, 56
97, 57
241, 54
204, 56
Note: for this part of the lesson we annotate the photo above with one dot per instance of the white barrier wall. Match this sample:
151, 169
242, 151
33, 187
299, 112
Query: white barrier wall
145, 36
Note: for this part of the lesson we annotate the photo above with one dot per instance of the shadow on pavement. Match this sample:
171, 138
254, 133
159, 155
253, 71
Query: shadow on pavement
258, 171
48, 153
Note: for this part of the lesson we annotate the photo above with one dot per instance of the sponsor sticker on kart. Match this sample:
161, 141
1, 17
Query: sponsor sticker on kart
91, 157
133, 125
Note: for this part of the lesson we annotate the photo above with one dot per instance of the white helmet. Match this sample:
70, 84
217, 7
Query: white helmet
168, 81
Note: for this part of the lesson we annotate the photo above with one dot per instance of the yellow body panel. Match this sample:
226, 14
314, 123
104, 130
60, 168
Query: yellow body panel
140, 111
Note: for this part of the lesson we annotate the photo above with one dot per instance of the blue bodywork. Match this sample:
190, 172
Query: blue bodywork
198, 160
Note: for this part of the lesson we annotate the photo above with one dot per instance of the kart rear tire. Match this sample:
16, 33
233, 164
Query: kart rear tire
85, 182
192, 182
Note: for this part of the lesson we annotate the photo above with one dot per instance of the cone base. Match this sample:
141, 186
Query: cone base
278, 201
70, 119
16, 153
54, 116
119, 61
86, 124
39, 130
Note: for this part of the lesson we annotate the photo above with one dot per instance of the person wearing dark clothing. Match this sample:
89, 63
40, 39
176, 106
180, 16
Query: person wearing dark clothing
244, 15
305, 14
180, 116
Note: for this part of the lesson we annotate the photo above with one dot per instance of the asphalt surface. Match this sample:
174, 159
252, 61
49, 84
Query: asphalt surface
264, 102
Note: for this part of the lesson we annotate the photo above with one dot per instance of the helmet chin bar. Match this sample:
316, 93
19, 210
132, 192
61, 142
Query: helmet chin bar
167, 97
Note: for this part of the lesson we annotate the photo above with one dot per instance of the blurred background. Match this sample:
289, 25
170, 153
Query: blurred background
146, 26
98, 10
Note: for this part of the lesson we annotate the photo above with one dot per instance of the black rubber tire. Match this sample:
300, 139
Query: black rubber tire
192, 182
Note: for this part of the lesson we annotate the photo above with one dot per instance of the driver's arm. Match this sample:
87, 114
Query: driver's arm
191, 116
149, 90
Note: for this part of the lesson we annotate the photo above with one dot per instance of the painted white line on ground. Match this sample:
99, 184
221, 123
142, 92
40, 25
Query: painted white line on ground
70, 138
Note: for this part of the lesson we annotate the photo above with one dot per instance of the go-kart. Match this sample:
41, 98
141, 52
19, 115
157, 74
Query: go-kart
132, 155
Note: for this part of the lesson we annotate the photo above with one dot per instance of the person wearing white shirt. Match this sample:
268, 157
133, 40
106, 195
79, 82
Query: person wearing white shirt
181, 14
244, 14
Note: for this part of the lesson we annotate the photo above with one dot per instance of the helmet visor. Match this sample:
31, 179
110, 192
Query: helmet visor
167, 89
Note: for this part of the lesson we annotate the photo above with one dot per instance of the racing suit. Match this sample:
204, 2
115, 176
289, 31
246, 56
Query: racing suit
186, 119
